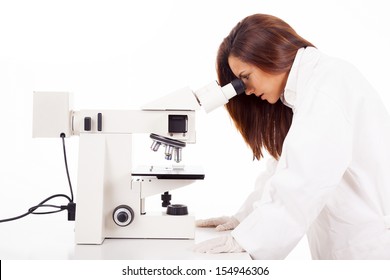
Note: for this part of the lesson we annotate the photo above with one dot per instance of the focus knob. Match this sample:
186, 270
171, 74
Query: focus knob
123, 215
177, 210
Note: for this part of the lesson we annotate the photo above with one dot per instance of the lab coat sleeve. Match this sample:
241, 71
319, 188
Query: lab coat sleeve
316, 153
257, 193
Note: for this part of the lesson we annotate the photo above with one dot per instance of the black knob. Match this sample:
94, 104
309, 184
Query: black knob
87, 123
166, 199
177, 210
123, 215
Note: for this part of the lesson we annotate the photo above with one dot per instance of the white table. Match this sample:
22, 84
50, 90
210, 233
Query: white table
44, 238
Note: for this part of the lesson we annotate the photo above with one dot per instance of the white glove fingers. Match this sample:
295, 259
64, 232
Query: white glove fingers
212, 222
206, 246
223, 244
232, 223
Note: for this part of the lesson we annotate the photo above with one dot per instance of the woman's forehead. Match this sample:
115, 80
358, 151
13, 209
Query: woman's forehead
237, 65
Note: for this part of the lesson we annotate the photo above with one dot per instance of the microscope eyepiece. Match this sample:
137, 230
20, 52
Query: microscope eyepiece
238, 86
213, 95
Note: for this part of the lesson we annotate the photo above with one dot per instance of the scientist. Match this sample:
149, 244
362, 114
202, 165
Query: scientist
328, 134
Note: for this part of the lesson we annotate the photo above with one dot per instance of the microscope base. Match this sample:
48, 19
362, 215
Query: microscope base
156, 226
151, 226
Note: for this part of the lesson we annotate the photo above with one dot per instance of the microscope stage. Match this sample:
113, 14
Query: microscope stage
170, 172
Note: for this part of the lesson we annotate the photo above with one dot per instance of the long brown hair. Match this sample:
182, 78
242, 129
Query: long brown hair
270, 44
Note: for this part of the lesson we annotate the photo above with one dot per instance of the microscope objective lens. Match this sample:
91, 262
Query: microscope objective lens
168, 150
155, 146
178, 155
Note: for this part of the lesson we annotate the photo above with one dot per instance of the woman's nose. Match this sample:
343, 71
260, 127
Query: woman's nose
249, 91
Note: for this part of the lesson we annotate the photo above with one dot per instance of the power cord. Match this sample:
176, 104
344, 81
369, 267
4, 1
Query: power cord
70, 207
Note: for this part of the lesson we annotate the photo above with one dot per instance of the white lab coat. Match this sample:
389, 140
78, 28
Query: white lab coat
332, 181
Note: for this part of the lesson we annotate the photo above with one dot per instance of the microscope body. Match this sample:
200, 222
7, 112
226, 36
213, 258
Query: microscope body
111, 193
110, 197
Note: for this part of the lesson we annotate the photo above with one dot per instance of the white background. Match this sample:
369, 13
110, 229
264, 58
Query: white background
122, 54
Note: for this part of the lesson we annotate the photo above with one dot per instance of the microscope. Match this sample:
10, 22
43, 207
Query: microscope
111, 193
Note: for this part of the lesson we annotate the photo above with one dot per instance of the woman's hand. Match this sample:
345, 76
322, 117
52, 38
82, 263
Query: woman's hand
221, 223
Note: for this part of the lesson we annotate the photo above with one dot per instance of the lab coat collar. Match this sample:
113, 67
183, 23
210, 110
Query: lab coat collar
289, 96
304, 63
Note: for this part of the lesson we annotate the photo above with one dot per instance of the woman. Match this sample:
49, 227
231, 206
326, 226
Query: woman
329, 135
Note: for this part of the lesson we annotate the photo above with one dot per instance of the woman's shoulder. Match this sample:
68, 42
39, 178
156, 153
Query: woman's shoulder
335, 67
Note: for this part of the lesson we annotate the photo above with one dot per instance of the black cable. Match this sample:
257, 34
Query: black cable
42, 204
66, 166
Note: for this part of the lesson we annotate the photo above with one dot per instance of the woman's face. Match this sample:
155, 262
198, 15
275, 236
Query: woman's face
264, 85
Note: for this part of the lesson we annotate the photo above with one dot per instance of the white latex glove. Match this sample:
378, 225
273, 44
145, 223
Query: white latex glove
223, 244
220, 223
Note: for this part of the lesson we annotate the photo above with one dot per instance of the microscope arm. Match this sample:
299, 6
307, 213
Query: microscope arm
134, 121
